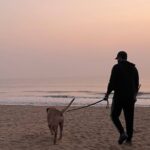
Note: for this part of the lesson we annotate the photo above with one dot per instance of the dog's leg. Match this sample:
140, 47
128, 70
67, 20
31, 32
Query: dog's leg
61, 129
50, 128
55, 134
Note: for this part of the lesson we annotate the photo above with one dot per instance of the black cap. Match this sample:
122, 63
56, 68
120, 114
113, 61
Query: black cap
122, 54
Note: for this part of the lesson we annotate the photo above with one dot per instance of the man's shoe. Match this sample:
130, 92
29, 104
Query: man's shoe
122, 138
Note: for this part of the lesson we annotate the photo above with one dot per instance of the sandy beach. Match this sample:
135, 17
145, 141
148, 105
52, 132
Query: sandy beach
25, 128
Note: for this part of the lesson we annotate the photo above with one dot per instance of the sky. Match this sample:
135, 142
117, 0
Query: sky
72, 38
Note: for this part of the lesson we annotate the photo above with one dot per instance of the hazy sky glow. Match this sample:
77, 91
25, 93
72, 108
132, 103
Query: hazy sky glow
72, 38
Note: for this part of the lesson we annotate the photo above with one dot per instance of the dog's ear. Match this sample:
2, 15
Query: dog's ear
47, 109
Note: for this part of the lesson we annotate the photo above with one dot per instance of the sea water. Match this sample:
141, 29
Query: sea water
59, 92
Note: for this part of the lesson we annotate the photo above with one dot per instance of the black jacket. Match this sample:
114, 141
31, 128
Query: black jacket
124, 81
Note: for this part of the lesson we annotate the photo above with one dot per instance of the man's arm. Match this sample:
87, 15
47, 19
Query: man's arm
137, 85
136, 80
111, 84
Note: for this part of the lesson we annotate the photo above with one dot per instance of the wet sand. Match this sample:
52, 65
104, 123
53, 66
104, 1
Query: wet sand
25, 128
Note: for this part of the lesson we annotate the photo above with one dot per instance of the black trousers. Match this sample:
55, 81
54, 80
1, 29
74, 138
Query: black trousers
128, 109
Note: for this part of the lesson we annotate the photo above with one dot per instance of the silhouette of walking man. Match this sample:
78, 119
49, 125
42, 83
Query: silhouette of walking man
124, 81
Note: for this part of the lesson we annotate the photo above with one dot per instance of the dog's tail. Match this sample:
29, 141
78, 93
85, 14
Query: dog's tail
68, 106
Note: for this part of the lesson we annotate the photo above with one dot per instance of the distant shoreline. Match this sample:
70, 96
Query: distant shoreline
77, 106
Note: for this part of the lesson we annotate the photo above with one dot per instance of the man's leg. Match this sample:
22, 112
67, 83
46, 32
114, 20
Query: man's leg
116, 109
129, 119
115, 113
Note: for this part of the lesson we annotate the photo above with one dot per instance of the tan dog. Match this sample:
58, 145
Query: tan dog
55, 119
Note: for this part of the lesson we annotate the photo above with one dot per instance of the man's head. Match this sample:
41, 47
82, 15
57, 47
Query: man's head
121, 56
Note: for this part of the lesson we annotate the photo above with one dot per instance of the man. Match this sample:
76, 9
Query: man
124, 81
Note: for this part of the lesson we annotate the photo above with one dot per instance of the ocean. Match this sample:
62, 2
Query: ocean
59, 92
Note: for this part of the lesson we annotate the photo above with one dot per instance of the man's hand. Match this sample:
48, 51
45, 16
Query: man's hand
106, 99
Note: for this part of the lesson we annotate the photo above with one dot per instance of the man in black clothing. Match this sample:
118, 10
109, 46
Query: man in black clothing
124, 81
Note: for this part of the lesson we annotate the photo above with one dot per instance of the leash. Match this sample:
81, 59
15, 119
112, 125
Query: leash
107, 106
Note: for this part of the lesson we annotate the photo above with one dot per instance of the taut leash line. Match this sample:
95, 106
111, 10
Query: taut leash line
89, 105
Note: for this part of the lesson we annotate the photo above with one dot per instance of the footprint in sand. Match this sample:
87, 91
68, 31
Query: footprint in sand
113, 147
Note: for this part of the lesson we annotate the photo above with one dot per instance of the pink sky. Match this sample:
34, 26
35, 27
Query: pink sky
72, 38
